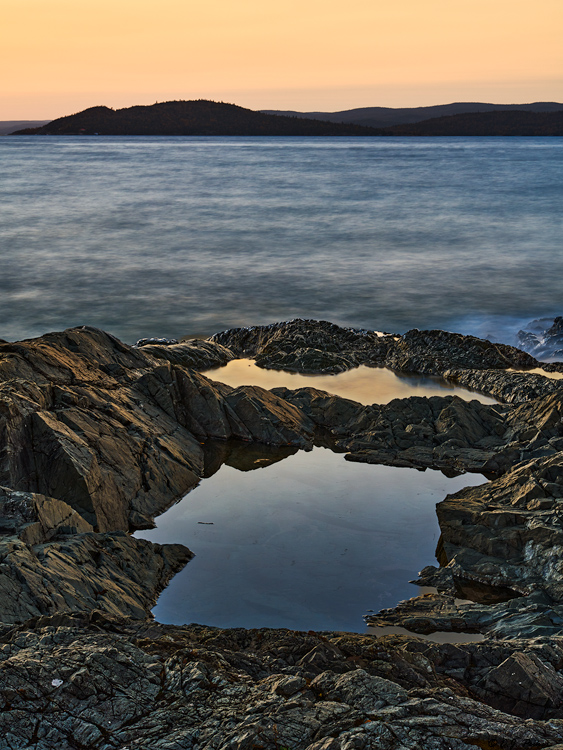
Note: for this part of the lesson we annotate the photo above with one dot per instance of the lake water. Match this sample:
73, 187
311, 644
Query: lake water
310, 542
170, 236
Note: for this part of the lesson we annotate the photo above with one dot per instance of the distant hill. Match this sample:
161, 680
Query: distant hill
199, 117
8, 126
384, 117
508, 122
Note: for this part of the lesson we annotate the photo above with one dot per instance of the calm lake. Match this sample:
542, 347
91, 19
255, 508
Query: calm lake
169, 236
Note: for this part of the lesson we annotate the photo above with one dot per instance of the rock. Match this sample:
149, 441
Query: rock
115, 434
97, 437
52, 562
307, 345
155, 341
195, 353
499, 534
434, 352
526, 680
508, 387
108, 683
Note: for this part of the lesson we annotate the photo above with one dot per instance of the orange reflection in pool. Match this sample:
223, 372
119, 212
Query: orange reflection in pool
367, 385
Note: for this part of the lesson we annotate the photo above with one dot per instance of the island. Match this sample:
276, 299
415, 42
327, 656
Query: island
198, 117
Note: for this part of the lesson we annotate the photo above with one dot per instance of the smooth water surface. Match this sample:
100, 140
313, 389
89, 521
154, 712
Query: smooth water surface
367, 385
168, 236
310, 542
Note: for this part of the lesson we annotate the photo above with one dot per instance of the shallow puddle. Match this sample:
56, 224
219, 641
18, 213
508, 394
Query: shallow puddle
310, 542
539, 371
367, 385
440, 636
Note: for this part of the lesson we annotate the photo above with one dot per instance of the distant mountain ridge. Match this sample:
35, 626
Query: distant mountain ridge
8, 126
495, 123
384, 117
198, 117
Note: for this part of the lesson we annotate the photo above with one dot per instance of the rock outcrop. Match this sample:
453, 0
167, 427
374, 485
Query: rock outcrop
115, 433
51, 561
96, 438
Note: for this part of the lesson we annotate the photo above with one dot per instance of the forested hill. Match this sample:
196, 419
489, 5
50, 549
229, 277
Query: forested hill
386, 117
199, 117
509, 122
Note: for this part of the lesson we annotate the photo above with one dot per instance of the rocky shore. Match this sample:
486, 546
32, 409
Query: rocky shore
97, 438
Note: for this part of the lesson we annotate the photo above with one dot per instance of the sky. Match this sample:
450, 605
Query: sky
60, 56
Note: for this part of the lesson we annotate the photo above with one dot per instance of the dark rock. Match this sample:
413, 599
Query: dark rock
195, 353
307, 345
93, 681
434, 352
155, 341
527, 681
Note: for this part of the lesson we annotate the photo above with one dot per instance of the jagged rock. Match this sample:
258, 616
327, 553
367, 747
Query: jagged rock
116, 435
438, 432
508, 387
98, 682
51, 561
508, 532
307, 345
195, 353
154, 340
526, 680
434, 352
36, 519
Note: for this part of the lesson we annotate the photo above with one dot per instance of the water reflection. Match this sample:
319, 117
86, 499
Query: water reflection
539, 371
368, 385
439, 636
309, 542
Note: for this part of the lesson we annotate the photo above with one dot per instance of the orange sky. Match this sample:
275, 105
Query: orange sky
59, 56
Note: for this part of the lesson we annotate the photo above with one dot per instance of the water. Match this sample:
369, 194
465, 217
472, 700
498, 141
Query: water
310, 542
367, 385
169, 236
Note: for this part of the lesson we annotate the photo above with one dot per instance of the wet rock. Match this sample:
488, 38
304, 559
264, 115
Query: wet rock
508, 532
508, 387
115, 434
97, 437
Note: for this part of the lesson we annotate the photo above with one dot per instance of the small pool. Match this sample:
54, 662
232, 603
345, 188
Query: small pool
367, 385
539, 371
310, 542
